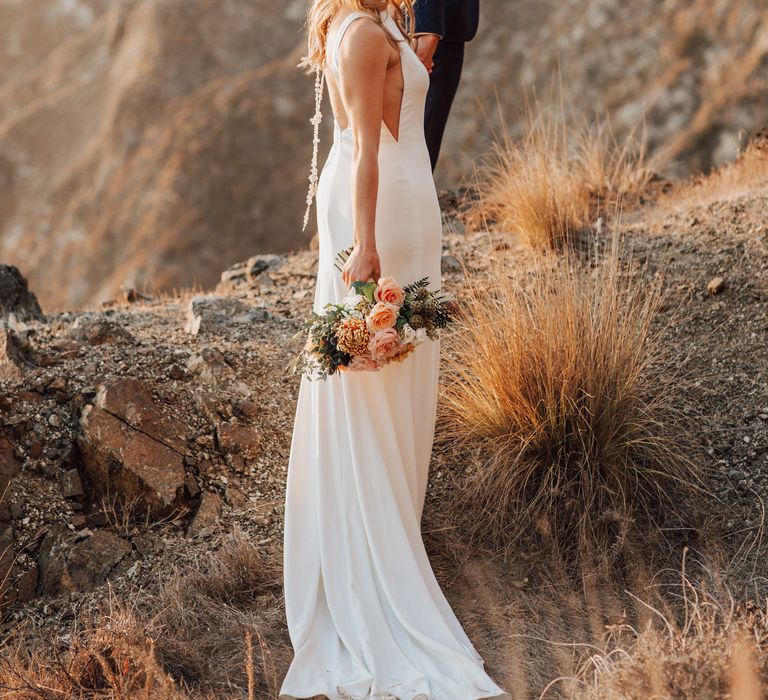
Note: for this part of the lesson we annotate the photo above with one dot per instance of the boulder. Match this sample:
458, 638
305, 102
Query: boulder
130, 449
91, 560
210, 367
207, 515
244, 274
131, 401
449, 263
71, 484
12, 359
68, 562
98, 331
239, 439
214, 314
15, 297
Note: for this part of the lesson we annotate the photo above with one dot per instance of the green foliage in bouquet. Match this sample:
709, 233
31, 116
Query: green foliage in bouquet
321, 353
425, 309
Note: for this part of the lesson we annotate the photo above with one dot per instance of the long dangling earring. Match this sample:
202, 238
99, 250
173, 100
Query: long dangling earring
315, 121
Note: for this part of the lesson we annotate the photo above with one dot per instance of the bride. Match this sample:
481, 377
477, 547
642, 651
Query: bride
366, 616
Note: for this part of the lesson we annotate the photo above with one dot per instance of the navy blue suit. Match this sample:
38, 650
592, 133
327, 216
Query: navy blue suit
456, 22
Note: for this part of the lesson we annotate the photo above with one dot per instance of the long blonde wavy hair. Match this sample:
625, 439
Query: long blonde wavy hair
319, 17
321, 13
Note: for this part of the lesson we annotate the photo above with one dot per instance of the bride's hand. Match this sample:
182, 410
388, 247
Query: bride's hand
361, 265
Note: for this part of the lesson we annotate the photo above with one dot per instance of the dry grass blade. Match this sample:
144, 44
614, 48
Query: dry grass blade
560, 387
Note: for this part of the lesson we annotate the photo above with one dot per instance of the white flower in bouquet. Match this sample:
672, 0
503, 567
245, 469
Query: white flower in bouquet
412, 335
352, 300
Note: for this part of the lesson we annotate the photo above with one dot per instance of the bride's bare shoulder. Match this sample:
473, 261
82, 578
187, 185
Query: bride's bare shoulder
365, 38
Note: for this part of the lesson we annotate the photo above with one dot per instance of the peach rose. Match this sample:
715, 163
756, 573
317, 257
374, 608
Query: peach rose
389, 291
360, 363
381, 316
384, 344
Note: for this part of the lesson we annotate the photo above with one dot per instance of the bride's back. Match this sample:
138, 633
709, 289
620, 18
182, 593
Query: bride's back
349, 33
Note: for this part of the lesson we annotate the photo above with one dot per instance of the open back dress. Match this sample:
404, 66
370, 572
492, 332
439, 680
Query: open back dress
366, 616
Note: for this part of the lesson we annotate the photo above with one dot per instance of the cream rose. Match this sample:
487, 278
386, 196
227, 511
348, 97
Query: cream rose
389, 292
384, 344
381, 316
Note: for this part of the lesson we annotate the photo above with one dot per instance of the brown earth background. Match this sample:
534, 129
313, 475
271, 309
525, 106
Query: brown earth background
153, 143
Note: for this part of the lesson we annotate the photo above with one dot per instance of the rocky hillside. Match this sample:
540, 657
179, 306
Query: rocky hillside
151, 143
135, 437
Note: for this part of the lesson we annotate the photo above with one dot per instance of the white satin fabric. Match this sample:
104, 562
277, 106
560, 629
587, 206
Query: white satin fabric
366, 616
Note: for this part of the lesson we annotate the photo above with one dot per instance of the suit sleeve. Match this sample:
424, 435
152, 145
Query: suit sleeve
430, 17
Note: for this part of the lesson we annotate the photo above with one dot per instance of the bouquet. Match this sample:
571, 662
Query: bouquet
375, 324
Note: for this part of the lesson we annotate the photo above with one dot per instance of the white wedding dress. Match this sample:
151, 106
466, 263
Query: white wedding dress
366, 616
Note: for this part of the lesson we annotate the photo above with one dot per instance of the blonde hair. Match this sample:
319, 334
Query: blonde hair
321, 13
319, 18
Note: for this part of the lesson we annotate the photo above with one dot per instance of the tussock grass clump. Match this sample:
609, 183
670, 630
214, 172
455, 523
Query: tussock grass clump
718, 650
212, 630
203, 616
111, 657
560, 387
546, 187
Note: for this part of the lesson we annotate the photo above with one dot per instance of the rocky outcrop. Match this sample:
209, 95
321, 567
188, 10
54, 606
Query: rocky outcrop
130, 449
217, 315
249, 272
12, 358
79, 561
15, 297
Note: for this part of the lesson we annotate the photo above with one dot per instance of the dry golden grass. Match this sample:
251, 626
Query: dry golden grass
111, 657
718, 650
202, 617
213, 630
548, 186
748, 173
559, 387
728, 41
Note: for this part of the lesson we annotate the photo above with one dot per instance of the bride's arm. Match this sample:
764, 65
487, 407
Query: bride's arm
363, 62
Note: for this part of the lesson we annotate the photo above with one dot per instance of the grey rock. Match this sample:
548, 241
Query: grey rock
217, 315
95, 330
15, 296
244, 274
71, 484
449, 263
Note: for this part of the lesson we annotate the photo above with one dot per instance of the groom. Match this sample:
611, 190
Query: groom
442, 29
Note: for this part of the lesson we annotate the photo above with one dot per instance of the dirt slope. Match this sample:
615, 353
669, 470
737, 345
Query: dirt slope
204, 378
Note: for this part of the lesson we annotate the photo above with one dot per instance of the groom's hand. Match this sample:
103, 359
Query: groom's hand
425, 47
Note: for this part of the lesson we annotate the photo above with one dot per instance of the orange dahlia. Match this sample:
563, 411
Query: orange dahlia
353, 336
